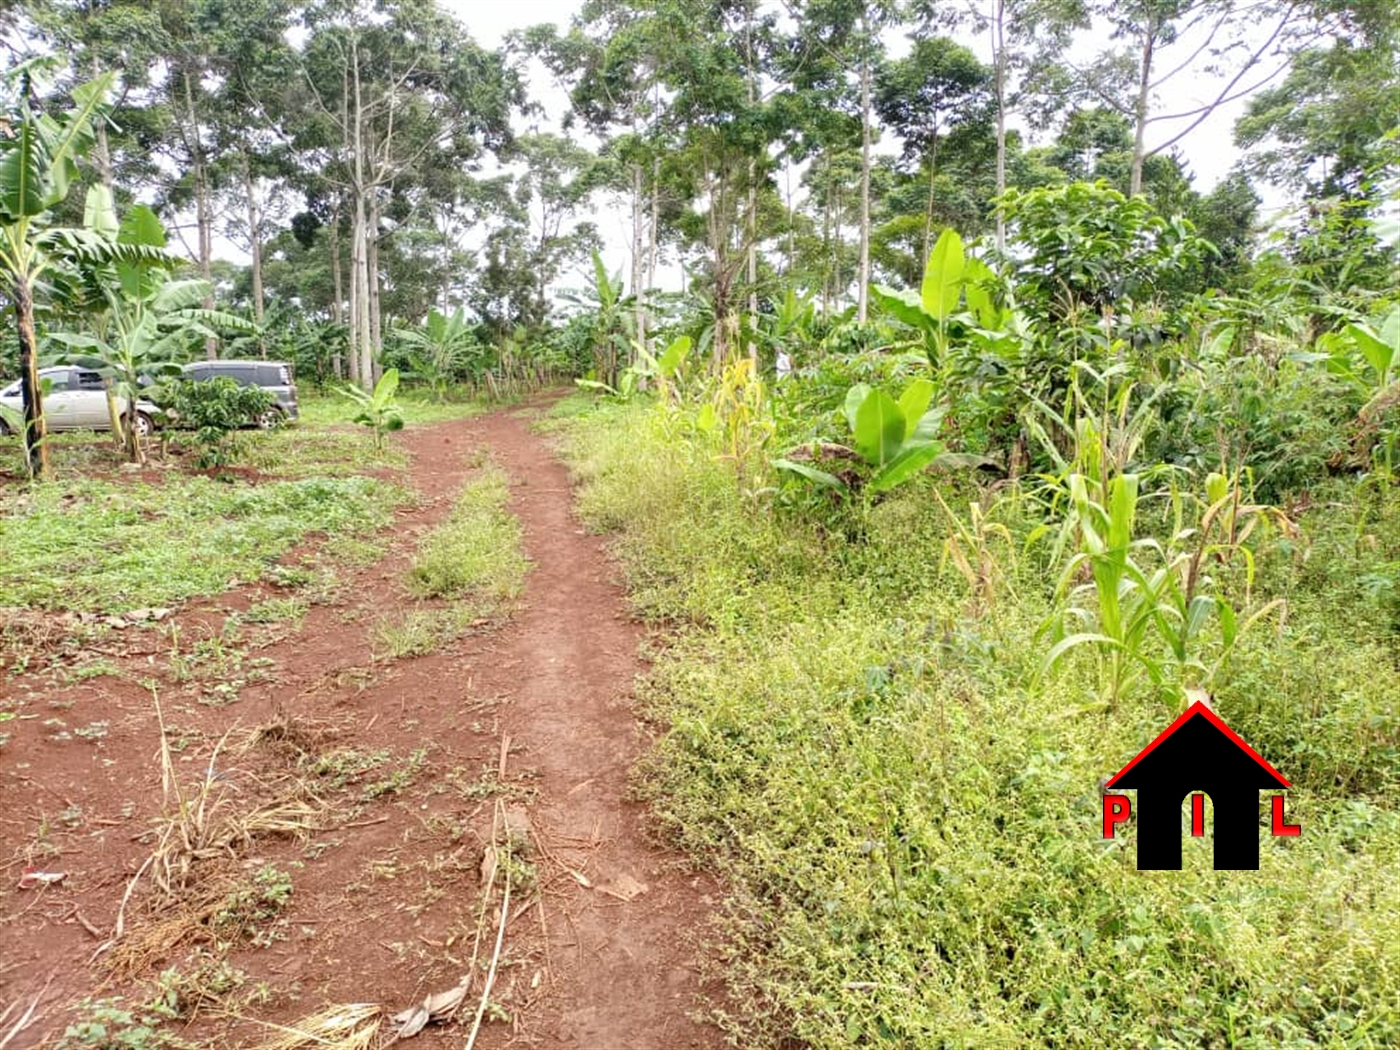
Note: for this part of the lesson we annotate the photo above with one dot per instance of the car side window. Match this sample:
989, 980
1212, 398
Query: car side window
58, 381
241, 376
90, 381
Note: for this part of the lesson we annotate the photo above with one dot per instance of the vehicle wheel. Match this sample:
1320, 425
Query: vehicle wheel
273, 418
144, 427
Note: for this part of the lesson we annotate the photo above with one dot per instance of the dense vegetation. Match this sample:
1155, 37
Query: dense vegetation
954, 472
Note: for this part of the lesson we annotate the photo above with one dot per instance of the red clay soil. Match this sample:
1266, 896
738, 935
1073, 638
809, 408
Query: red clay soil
601, 951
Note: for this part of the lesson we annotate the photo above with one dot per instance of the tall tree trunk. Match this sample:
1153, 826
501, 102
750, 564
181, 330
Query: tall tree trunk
999, 88
751, 262
751, 208
1140, 105
338, 303
653, 229
36, 448
792, 220
255, 249
361, 347
838, 289
928, 205
204, 211
359, 267
638, 253
376, 327
863, 275
826, 250
101, 149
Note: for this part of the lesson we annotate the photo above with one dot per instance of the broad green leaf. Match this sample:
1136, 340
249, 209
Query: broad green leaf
674, 356
810, 472
179, 295
903, 306
1378, 355
914, 403
76, 131
976, 276
22, 171
99, 213
140, 225
927, 426
854, 397
1122, 498
1229, 628
385, 388
705, 419
1390, 330
909, 461
879, 428
943, 276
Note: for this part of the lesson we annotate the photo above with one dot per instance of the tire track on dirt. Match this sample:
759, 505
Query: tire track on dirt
624, 971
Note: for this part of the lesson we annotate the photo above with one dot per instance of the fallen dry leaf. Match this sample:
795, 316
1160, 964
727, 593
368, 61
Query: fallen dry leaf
489, 861
624, 888
436, 1007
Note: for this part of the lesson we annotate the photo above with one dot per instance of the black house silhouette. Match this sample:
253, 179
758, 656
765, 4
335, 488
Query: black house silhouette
1198, 752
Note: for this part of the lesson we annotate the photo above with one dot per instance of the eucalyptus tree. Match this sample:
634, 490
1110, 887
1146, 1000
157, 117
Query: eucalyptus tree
839, 48
1028, 40
1243, 45
611, 61
385, 93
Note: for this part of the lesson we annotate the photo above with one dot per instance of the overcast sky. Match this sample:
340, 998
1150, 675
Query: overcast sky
1210, 147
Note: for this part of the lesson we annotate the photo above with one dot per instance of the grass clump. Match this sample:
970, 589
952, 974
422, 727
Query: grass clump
418, 632
476, 554
907, 813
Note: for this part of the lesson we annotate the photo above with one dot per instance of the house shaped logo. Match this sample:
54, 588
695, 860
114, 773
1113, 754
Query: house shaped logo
1196, 753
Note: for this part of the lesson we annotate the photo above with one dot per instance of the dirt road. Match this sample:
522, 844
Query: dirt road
386, 900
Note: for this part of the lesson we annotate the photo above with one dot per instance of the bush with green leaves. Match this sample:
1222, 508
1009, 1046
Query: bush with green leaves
1085, 246
217, 408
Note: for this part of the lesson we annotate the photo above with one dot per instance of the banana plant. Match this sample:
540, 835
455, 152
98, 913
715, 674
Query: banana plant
144, 324
952, 279
377, 409
38, 162
1378, 346
442, 349
893, 439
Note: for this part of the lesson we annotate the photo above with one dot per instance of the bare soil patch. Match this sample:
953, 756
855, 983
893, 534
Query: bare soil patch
407, 766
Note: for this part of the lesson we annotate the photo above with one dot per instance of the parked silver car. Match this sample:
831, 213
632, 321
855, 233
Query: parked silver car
76, 400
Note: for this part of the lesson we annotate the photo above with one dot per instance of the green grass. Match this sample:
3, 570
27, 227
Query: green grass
316, 449
909, 830
418, 409
418, 632
476, 554
109, 546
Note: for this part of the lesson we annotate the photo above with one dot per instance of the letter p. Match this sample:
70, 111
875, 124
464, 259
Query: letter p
1116, 810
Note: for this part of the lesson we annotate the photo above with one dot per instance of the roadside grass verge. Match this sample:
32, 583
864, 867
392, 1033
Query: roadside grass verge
320, 409
112, 546
910, 831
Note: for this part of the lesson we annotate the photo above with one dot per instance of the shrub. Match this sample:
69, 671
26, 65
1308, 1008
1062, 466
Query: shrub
216, 409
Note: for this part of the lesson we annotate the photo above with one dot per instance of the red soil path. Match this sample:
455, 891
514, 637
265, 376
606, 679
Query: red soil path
386, 899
